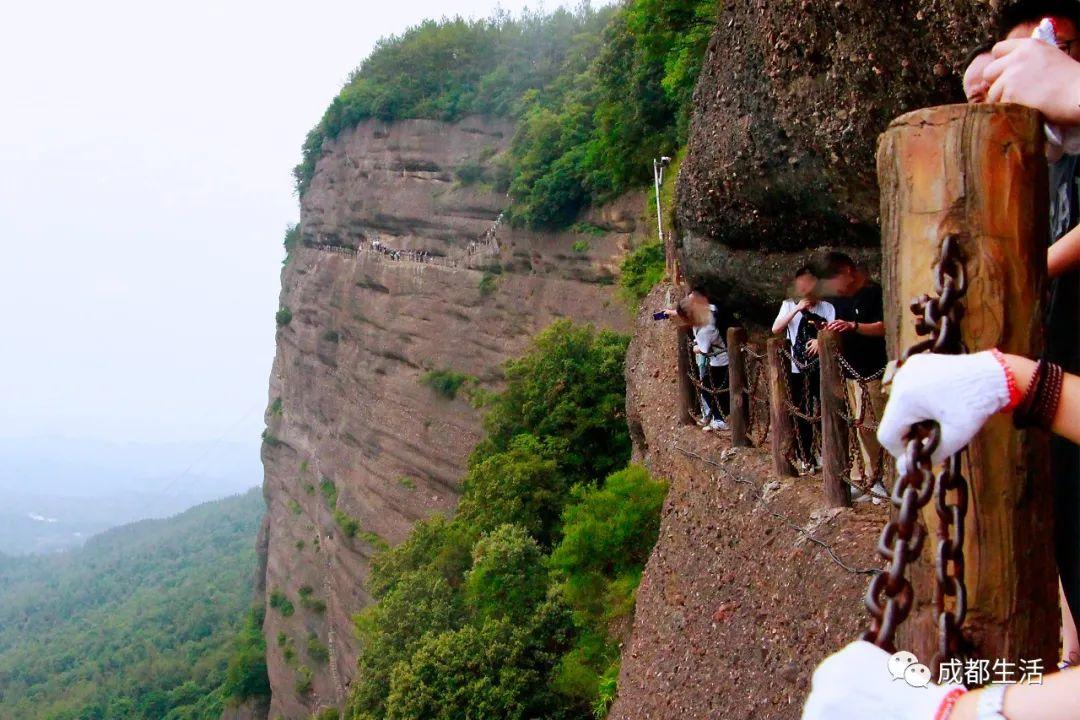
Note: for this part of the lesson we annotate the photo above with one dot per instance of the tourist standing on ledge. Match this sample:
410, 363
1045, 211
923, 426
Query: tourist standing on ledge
860, 320
801, 318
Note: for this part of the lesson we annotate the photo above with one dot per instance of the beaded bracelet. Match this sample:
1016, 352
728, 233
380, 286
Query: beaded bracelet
1040, 405
948, 703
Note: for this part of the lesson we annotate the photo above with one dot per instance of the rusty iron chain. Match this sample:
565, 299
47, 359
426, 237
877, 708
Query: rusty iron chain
758, 411
890, 596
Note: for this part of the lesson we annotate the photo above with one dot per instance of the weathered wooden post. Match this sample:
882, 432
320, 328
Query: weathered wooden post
740, 404
834, 430
781, 429
979, 173
687, 391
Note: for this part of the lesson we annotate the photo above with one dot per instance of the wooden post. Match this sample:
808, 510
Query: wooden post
740, 405
834, 429
781, 429
687, 391
979, 172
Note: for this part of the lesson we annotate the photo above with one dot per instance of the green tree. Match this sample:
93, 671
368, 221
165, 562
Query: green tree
494, 670
508, 579
608, 533
569, 391
477, 616
420, 602
246, 675
149, 621
522, 485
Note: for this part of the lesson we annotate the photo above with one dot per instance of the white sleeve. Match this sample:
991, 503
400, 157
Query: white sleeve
828, 311
785, 308
704, 337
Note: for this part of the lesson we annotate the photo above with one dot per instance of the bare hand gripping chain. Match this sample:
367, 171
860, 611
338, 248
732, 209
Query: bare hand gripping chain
890, 596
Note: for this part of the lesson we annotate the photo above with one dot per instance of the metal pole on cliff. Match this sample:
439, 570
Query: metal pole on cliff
834, 429
737, 418
658, 166
976, 175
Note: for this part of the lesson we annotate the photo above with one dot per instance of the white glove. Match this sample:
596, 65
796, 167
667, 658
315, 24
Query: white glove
860, 683
960, 392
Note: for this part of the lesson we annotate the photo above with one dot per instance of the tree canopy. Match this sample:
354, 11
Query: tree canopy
139, 624
595, 94
505, 611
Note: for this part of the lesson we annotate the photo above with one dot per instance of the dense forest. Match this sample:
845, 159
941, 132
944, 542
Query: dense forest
595, 95
139, 624
515, 608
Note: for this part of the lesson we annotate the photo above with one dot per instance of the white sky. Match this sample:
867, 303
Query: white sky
146, 152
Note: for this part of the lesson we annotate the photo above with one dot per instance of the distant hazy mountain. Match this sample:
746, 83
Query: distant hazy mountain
138, 624
56, 492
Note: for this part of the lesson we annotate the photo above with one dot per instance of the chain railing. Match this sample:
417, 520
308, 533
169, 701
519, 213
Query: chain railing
890, 596
862, 420
802, 405
757, 390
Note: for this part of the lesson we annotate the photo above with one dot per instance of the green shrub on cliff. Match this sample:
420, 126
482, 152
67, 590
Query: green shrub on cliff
446, 383
245, 676
506, 611
349, 525
304, 679
280, 602
641, 270
596, 94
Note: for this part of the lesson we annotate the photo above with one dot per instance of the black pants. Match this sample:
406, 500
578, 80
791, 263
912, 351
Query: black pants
805, 388
1065, 467
716, 378
1063, 347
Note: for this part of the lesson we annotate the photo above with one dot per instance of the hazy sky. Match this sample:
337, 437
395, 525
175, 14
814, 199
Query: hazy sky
146, 151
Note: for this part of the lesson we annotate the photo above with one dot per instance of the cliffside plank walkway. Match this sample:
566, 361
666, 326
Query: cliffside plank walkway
486, 247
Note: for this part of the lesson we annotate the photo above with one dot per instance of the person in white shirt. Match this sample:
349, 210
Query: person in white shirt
709, 343
698, 315
800, 319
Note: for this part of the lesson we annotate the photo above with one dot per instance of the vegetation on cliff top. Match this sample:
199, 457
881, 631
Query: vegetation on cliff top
508, 610
137, 625
595, 94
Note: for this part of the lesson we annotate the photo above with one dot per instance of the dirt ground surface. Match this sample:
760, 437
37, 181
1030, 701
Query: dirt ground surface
752, 582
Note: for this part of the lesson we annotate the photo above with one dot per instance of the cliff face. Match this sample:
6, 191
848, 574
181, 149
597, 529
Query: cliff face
354, 436
791, 100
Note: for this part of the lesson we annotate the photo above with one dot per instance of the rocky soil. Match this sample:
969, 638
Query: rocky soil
346, 404
737, 604
787, 112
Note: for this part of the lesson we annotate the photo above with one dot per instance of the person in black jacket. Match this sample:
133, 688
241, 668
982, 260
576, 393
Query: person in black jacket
860, 320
